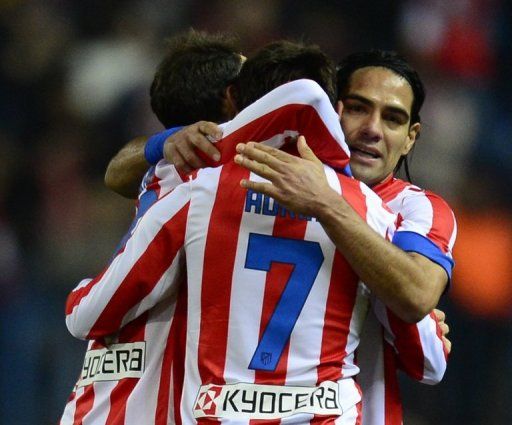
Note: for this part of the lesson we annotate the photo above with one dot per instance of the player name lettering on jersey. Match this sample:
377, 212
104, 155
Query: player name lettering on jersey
262, 204
116, 362
253, 401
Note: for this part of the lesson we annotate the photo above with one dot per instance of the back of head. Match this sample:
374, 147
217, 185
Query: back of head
280, 62
385, 59
190, 83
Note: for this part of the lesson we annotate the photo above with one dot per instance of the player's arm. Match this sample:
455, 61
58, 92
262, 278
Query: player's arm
408, 283
177, 145
419, 347
143, 273
126, 169
292, 108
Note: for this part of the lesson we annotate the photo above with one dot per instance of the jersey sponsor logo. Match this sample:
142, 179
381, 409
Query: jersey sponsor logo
258, 203
112, 363
255, 401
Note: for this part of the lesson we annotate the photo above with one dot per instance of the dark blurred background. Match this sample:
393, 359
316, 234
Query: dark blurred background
74, 82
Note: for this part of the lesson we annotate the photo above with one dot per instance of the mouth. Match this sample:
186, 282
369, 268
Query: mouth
364, 153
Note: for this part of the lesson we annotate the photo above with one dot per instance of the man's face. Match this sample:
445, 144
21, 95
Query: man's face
376, 122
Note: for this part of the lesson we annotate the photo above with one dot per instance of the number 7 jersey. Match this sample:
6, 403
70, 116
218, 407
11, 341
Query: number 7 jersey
274, 311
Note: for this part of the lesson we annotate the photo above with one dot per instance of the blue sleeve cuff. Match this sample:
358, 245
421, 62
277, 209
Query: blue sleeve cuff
154, 149
414, 242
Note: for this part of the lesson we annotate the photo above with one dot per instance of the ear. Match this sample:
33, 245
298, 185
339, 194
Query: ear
411, 137
339, 108
230, 108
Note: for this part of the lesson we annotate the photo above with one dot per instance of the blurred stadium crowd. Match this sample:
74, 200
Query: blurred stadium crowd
74, 83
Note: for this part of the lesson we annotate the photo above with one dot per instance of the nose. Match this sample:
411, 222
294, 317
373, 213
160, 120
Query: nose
372, 128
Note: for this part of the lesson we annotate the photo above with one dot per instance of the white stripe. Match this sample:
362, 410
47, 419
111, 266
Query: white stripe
435, 362
142, 402
101, 407
204, 190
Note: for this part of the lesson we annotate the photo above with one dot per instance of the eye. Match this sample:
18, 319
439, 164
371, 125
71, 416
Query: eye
354, 108
395, 119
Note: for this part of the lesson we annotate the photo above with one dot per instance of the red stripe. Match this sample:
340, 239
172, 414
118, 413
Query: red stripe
297, 117
135, 330
338, 314
353, 194
340, 300
154, 186
392, 401
390, 189
118, 398
219, 258
442, 222
173, 363
144, 275
359, 407
84, 405
408, 344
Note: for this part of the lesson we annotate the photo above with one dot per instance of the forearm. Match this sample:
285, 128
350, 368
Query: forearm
392, 274
126, 170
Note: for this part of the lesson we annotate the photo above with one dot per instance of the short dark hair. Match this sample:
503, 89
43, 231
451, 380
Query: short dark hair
190, 82
394, 62
280, 62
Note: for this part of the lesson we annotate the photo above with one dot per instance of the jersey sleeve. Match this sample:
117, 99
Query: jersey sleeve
299, 107
419, 348
426, 225
146, 270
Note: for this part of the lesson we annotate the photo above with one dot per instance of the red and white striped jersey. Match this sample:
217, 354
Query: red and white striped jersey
118, 394
429, 228
272, 306
125, 378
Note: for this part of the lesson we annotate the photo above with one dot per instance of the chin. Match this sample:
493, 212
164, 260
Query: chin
362, 173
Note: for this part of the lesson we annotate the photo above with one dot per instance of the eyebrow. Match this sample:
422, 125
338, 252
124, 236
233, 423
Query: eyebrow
366, 101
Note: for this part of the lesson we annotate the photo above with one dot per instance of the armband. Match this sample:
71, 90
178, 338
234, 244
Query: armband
154, 149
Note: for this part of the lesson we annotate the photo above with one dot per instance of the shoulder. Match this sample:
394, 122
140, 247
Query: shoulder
366, 203
403, 197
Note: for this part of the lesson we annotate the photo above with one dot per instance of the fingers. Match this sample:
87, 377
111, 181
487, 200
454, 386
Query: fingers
445, 329
265, 155
440, 316
180, 148
210, 133
260, 187
172, 155
305, 151
260, 150
257, 167
210, 129
447, 344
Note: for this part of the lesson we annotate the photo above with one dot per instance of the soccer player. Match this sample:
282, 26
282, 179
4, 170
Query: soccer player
413, 358
305, 334
382, 96
126, 376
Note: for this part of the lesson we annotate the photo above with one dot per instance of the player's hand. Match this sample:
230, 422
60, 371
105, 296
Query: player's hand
179, 149
445, 329
297, 183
